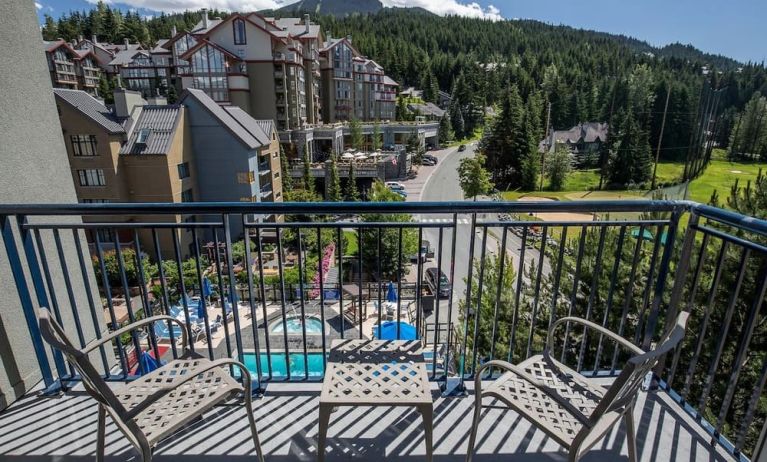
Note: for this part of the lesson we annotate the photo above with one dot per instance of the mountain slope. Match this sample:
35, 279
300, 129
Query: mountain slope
332, 7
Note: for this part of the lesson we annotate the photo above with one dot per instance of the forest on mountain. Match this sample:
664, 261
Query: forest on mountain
584, 76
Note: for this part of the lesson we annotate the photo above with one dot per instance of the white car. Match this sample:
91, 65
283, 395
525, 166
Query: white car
394, 186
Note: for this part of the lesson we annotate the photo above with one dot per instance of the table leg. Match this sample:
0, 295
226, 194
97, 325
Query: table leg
427, 414
325, 411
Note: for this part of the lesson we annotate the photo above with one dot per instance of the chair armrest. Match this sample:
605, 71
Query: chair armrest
186, 377
606, 332
519, 372
133, 326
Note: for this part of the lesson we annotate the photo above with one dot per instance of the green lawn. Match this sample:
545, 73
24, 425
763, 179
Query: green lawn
351, 243
720, 175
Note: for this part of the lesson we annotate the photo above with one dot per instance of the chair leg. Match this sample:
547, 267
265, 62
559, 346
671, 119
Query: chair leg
325, 411
628, 417
101, 434
427, 412
253, 430
474, 425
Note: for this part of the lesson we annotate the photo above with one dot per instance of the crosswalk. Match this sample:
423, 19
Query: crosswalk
461, 221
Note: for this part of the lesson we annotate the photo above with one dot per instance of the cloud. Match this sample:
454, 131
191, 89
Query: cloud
450, 7
440, 7
39, 6
176, 6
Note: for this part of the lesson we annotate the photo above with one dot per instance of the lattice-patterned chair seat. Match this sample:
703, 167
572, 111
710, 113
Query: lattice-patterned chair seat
562, 403
533, 403
180, 404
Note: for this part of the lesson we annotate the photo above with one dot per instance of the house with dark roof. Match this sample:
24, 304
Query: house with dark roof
238, 157
584, 141
133, 152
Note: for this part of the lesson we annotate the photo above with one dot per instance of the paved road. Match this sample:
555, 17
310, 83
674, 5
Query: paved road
440, 183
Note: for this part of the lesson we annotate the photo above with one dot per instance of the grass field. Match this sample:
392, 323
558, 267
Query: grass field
720, 175
351, 243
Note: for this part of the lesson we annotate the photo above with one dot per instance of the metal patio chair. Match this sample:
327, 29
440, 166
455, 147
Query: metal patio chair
150, 408
562, 403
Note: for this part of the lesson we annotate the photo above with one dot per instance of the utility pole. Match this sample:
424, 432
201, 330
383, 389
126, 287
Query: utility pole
545, 142
610, 128
660, 137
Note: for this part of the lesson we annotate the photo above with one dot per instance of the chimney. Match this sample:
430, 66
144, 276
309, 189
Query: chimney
126, 42
79, 38
173, 31
349, 39
307, 22
94, 39
204, 18
126, 101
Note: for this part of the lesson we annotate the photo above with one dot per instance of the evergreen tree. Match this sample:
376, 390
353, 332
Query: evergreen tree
334, 182
456, 121
50, 28
473, 177
445, 132
352, 193
377, 141
287, 179
171, 94
307, 178
508, 145
355, 132
558, 166
749, 135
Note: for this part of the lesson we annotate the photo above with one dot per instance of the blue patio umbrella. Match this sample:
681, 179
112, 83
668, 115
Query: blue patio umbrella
202, 313
388, 331
207, 288
391, 294
147, 363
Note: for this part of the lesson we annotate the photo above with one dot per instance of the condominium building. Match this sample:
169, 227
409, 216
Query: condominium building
264, 66
134, 153
71, 68
145, 71
354, 86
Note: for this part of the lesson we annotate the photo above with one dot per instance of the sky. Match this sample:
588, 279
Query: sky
736, 29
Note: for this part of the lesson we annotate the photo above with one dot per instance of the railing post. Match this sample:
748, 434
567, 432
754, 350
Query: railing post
760, 451
25, 297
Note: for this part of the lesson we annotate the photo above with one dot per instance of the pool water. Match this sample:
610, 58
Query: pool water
279, 366
295, 326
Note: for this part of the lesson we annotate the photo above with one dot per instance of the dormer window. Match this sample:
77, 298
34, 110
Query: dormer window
238, 27
143, 136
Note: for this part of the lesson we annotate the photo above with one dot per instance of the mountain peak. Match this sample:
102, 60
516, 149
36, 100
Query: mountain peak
333, 7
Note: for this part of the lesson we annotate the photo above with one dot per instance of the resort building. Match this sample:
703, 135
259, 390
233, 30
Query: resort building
71, 68
354, 86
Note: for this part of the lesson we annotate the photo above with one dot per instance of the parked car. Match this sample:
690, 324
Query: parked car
425, 161
412, 174
432, 276
393, 185
431, 158
462, 147
425, 254
400, 192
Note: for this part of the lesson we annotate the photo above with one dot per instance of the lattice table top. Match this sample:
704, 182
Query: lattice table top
376, 373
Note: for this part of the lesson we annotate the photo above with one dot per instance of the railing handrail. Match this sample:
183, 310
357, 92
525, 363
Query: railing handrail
377, 207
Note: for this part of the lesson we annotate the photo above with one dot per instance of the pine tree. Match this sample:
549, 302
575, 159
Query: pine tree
352, 193
558, 166
355, 132
307, 178
377, 141
50, 29
287, 179
445, 132
334, 182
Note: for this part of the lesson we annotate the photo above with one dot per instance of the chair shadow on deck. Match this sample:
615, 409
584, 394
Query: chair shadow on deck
43, 429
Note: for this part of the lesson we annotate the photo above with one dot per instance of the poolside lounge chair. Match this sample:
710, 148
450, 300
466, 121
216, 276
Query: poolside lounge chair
562, 403
156, 405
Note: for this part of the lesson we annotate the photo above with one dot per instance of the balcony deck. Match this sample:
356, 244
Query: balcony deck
63, 429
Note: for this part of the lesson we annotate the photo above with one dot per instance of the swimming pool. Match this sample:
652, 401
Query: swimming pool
295, 325
279, 366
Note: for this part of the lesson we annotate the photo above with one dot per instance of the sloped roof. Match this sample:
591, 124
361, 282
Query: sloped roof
297, 28
200, 29
427, 109
249, 123
241, 130
91, 108
161, 121
390, 81
160, 46
126, 57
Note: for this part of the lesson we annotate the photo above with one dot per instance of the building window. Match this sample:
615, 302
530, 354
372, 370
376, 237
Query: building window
187, 195
183, 171
246, 177
92, 177
238, 26
209, 73
83, 145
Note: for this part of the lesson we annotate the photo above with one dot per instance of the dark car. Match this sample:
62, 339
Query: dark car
462, 147
425, 161
432, 276
431, 158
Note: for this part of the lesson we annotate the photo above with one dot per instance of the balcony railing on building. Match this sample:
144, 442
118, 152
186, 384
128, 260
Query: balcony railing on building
273, 294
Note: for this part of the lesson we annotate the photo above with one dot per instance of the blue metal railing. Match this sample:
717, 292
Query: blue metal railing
629, 265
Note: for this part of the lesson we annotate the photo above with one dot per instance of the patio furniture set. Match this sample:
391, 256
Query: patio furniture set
561, 402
